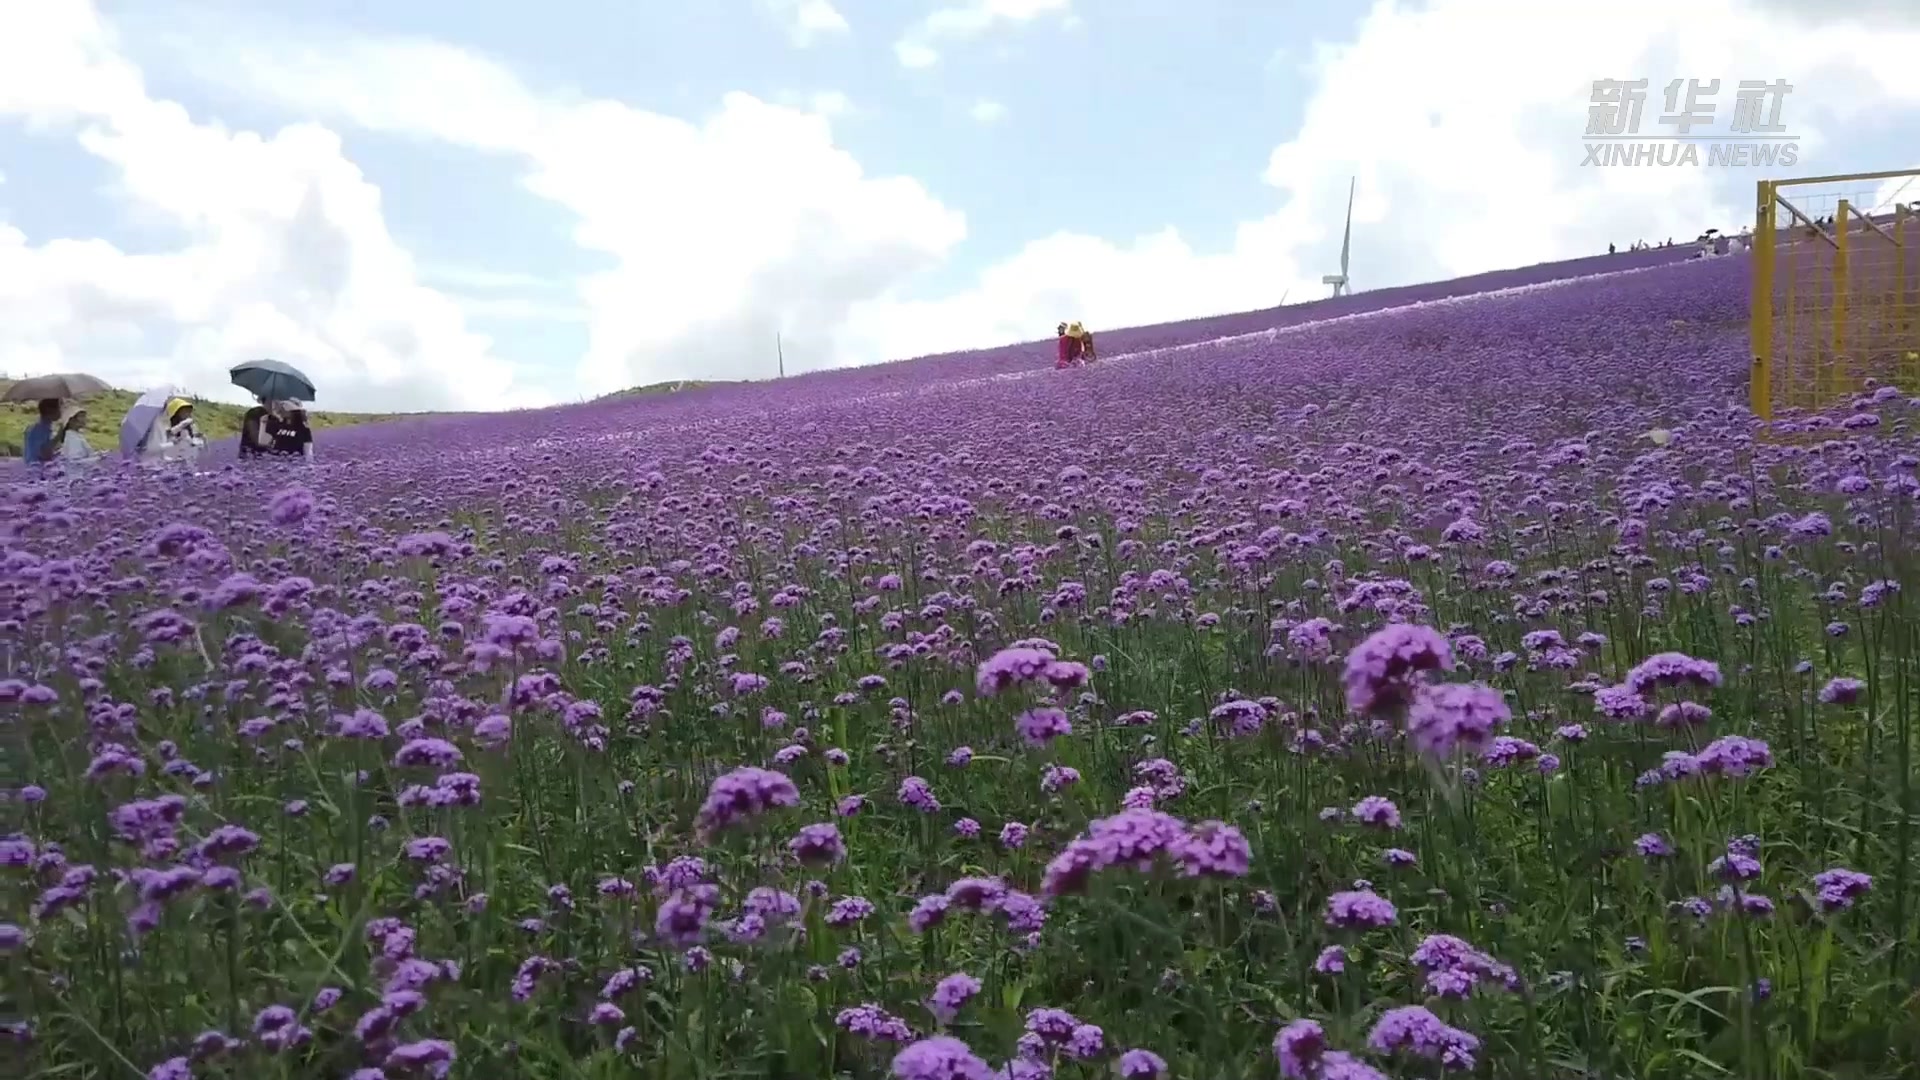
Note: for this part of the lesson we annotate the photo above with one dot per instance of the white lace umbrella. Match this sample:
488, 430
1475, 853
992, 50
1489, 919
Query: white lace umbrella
137, 425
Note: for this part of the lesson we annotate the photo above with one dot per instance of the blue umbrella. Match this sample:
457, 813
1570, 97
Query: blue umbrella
272, 380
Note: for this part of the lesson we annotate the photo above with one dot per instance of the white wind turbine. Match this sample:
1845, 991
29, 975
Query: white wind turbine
1339, 280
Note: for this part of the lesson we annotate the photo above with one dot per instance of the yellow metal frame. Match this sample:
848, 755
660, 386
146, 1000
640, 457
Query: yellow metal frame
1800, 346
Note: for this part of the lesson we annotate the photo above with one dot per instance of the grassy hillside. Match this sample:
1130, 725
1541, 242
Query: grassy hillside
217, 420
672, 387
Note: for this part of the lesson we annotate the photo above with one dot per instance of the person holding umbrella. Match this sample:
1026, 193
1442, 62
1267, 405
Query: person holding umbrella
176, 436
256, 430
43, 439
43, 442
270, 427
271, 380
181, 427
144, 427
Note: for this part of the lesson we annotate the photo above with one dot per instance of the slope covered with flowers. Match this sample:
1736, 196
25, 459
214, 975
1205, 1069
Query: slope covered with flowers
1368, 701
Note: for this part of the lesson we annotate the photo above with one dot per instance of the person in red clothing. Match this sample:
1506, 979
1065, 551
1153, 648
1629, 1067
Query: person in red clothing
1069, 349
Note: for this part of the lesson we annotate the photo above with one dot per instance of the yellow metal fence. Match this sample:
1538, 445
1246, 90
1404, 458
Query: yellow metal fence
1836, 290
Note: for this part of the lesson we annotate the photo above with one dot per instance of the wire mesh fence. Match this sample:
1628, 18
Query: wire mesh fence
1836, 290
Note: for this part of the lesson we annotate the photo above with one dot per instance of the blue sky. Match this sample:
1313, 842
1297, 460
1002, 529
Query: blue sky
1081, 99
483, 204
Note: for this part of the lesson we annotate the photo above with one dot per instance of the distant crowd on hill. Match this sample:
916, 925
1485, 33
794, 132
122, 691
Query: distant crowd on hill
1708, 244
1714, 242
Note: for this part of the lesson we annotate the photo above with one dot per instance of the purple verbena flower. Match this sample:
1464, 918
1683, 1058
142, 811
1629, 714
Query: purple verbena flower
1382, 671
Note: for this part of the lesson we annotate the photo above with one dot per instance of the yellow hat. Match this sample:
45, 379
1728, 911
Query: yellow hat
1076, 329
173, 405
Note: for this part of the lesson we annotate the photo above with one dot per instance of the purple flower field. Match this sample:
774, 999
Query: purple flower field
1371, 697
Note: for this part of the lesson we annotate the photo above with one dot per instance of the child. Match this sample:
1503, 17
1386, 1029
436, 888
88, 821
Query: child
183, 441
181, 428
1083, 343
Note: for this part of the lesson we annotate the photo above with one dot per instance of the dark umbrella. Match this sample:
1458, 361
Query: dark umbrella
271, 380
41, 387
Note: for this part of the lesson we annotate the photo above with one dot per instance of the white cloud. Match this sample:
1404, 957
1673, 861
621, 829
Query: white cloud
754, 222
1463, 165
987, 111
913, 54
806, 21
1822, 13
483, 293
477, 277
723, 234
1890, 193
520, 308
967, 20
831, 104
1155, 278
287, 253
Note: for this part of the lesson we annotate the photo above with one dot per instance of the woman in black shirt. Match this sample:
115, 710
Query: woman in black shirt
292, 436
